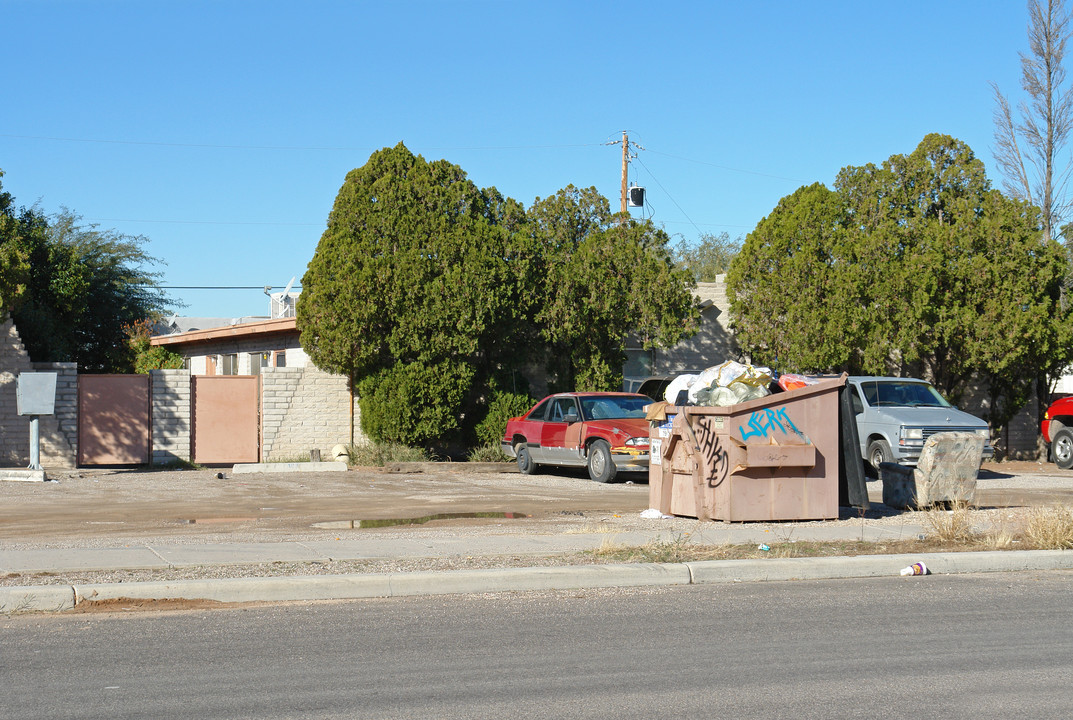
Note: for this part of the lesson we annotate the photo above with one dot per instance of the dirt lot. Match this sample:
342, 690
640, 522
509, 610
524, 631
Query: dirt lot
100, 507
93, 504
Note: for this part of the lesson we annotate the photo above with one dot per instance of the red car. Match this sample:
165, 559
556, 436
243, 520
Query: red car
1057, 428
605, 432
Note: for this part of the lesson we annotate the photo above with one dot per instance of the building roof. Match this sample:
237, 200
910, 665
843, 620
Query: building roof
259, 328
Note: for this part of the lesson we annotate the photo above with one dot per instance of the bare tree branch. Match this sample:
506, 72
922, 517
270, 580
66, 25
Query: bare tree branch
1046, 118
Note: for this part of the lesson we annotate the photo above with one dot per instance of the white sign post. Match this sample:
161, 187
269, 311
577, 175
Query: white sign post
35, 394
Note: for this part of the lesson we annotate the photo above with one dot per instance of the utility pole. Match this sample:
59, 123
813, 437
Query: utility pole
625, 166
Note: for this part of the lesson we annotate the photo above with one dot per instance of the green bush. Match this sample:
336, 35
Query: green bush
502, 407
414, 404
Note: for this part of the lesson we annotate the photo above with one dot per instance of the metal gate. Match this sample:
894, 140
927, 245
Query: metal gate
226, 416
113, 419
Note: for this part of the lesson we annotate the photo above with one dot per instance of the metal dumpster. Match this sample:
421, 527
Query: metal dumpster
774, 458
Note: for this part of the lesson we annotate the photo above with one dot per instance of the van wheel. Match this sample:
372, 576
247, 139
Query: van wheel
878, 452
1062, 448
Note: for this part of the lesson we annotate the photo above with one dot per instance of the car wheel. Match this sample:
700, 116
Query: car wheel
1062, 448
525, 460
878, 452
601, 466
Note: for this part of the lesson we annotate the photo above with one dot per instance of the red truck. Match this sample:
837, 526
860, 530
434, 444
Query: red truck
1057, 428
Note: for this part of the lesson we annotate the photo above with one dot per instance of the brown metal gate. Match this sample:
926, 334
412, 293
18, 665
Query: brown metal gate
113, 419
226, 414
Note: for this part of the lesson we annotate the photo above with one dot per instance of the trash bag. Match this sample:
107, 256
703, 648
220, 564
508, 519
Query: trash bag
729, 384
680, 383
792, 381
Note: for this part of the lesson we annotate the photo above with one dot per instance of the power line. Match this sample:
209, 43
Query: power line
318, 148
206, 222
224, 287
668, 194
724, 167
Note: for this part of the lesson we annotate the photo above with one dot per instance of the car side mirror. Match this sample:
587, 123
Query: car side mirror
570, 416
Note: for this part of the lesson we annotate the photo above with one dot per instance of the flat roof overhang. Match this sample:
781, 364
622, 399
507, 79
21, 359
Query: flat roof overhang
261, 328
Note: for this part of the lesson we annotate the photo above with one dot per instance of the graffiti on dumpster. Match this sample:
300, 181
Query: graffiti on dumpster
764, 422
716, 457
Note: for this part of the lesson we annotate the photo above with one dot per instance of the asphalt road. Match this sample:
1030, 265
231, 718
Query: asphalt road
971, 646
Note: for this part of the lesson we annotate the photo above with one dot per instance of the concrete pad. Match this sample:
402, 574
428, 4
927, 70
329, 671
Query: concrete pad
297, 467
78, 559
15, 475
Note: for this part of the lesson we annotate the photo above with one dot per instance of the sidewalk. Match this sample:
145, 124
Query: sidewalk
52, 598
39, 519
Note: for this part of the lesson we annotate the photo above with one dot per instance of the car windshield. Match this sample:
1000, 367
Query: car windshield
614, 406
889, 393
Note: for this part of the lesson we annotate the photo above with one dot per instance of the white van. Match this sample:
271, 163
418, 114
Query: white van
896, 415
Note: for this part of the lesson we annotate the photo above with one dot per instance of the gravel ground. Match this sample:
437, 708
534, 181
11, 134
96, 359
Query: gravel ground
1026, 479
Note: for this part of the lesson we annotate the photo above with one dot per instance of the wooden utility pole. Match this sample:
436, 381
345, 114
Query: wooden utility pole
625, 166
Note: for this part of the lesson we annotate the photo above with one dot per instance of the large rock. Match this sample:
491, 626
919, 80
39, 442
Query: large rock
946, 472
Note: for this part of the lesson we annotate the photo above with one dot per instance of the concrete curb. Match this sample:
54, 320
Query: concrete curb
863, 566
14, 600
404, 468
299, 467
41, 598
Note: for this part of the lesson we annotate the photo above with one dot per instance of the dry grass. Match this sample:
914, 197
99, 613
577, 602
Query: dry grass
1049, 528
953, 526
946, 530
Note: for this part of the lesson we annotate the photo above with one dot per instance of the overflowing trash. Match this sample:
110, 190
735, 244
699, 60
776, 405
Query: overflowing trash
917, 568
721, 385
793, 381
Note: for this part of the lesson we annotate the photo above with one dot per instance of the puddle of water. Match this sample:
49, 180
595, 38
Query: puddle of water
393, 522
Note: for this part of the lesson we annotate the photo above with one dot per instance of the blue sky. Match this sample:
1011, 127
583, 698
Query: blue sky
223, 130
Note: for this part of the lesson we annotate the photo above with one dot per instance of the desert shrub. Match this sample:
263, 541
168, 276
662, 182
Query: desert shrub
1049, 528
502, 407
488, 453
951, 526
374, 454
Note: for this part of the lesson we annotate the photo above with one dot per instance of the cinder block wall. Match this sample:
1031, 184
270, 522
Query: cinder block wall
57, 448
170, 416
305, 409
60, 447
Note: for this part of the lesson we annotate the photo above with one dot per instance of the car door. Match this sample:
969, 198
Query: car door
559, 437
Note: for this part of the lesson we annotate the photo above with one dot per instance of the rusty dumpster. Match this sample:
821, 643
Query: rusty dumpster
773, 458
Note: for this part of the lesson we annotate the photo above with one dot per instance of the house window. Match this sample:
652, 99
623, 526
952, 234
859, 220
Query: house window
281, 358
228, 365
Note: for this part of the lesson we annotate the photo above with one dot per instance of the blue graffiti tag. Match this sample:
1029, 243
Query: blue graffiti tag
763, 422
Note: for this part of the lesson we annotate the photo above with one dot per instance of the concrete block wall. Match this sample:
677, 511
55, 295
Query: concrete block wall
278, 387
305, 409
170, 416
66, 415
55, 449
